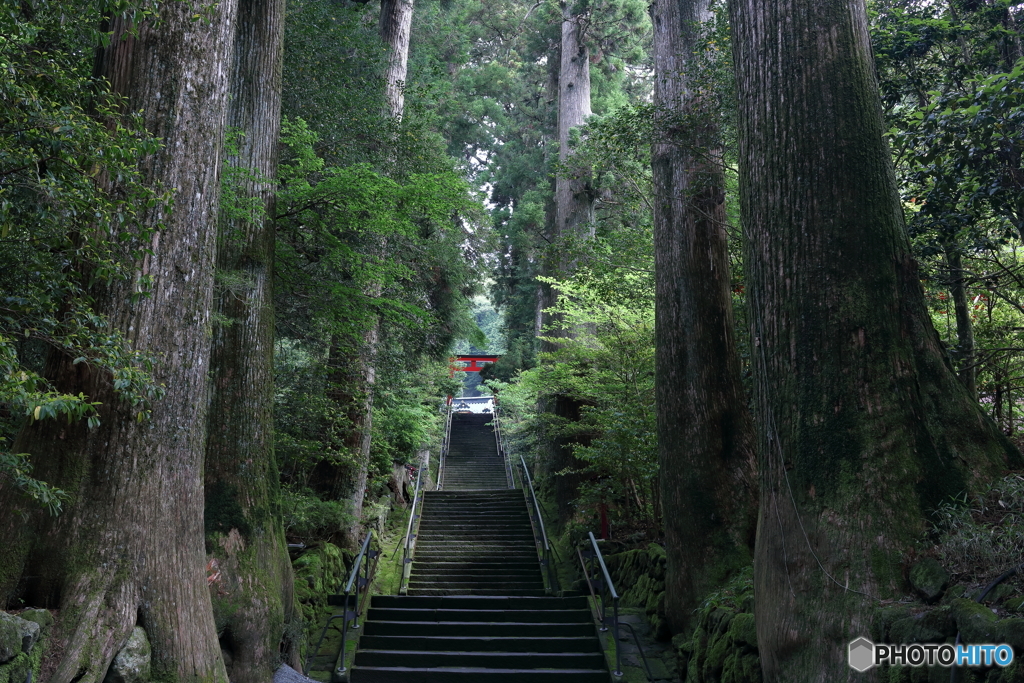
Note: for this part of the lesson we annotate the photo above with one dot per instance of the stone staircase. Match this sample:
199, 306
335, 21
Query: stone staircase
473, 461
475, 543
479, 639
476, 610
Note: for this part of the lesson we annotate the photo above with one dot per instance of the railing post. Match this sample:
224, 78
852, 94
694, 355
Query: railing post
615, 634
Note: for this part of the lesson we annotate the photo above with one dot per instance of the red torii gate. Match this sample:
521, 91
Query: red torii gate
474, 363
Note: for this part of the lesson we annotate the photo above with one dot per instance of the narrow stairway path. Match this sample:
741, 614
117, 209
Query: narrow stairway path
476, 609
473, 461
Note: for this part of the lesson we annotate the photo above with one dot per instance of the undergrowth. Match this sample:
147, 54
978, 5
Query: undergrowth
978, 538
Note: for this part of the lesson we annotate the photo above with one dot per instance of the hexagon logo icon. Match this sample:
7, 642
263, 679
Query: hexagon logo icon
862, 654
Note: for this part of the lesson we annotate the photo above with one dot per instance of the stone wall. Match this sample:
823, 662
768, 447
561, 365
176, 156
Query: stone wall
639, 577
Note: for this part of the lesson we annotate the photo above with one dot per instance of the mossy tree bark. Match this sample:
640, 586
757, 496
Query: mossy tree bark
252, 587
862, 425
128, 550
705, 437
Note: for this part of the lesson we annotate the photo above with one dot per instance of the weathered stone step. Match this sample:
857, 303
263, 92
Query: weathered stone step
545, 616
482, 565
496, 660
482, 644
476, 629
487, 603
524, 592
455, 583
426, 572
370, 674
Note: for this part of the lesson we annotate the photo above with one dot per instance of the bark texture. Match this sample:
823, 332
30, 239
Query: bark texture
861, 424
128, 549
574, 195
964, 326
251, 577
395, 30
705, 437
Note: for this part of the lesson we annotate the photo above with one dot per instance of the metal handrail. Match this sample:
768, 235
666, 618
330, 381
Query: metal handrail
502, 451
340, 670
445, 443
606, 582
539, 532
365, 553
410, 537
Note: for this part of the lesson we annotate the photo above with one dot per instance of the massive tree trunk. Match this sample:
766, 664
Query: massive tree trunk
861, 424
128, 550
352, 378
253, 593
705, 438
395, 30
574, 195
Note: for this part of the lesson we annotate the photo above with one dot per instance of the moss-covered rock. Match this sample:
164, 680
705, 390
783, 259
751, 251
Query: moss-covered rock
1011, 632
929, 579
639, 577
885, 617
976, 622
319, 572
17, 669
999, 593
41, 617
1014, 604
741, 668
743, 630
955, 591
932, 626
16, 635
132, 663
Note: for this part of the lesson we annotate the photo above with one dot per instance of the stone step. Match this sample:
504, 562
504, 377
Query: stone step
482, 644
489, 603
476, 591
497, 660
544, 616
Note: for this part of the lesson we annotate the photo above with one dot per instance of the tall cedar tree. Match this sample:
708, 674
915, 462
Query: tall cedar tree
395, 31
862, 425
128, 550
705, 437
253, 595
573, 216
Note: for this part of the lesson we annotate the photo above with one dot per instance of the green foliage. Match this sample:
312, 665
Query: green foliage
951, 79
379, 237
981, 536
72, 199
963, 159
360, 244
406, 416
310, 519
308, 427
608, 367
